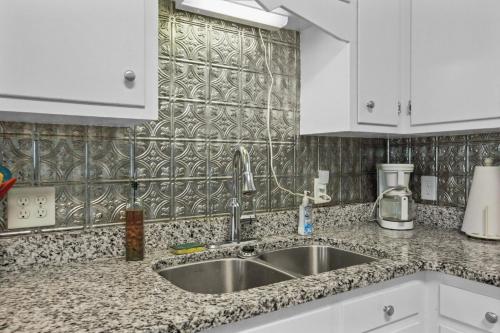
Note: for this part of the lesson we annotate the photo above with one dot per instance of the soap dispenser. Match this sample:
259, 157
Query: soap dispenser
305, 216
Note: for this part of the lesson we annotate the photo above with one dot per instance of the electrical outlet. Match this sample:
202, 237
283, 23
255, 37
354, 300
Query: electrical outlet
41, 200
29, 207
429, 188
23, 213
23, 201
41, 212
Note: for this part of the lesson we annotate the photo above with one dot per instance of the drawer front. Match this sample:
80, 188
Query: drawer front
367, 312
468, 308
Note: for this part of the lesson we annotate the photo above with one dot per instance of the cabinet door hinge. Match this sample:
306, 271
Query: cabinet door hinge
399, 108
409, 107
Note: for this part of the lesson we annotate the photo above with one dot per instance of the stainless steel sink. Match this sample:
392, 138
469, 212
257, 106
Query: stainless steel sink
223, 275
313, 259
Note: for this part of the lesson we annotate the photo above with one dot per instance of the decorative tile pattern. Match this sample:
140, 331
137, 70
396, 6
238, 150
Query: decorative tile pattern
224, 85
279, 198
221, 159
109, 159
62, 159
16, 154
156, 197
190, 120
153, 159
254, 89
253, 127
225, 47
213, 86
190, 81
452, 159
307, 156
70, 202
253, 58
451, 191
329, 151
351, 156
190, 198
283, 157
108, 201
224, 122
283, 55
190, 159
190, 41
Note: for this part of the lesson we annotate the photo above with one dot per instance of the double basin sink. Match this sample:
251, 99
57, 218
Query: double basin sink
233, 274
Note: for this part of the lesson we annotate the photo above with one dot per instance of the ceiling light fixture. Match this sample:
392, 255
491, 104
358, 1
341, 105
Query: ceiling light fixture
234, 12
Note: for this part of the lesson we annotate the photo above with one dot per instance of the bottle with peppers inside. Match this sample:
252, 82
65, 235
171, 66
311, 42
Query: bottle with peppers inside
134, 226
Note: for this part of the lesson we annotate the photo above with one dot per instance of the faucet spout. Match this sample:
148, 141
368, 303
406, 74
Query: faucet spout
241, 172
241, 159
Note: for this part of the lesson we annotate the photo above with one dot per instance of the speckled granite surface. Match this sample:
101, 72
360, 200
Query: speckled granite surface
39, 250
114, 295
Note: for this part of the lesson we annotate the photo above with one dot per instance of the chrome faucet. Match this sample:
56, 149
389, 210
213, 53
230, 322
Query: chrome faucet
241, 160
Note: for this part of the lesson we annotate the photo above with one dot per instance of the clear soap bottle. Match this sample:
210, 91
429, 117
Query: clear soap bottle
134, 226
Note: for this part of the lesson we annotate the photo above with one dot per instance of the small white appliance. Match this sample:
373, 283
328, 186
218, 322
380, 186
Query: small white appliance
396, 208
482, 215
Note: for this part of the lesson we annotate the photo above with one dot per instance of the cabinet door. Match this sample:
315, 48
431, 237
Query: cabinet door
455, 62
379, 49
73, 50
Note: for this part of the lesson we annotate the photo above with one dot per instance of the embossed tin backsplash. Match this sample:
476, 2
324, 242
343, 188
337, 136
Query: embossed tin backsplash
212, 87
450, 158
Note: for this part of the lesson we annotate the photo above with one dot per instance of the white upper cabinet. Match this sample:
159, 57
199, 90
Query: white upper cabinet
379, 61
455, 65
409, 67
78, 61
350, 87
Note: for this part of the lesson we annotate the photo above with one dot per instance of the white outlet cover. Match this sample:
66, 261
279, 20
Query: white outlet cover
428, 188
33, 194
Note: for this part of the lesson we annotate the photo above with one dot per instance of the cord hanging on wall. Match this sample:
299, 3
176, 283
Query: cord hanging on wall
324, 197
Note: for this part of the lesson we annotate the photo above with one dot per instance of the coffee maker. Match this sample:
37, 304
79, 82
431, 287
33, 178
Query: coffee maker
396, 208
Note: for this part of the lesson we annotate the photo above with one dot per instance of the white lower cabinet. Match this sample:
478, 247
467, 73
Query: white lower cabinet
384, 308
320, 321
469, 309
425, 302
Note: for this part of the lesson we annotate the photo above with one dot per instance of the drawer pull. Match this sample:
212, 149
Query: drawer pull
389, 310
491, 317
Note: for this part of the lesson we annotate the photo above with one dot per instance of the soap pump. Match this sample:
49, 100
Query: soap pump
305, 216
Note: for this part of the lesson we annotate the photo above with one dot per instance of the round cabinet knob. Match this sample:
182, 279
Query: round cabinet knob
129, 75
491, 317
389, 310
370, 105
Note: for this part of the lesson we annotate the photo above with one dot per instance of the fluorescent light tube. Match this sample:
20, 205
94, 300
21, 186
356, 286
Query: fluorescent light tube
234, 12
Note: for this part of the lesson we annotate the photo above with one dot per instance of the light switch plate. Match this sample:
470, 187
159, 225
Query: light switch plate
429, 188
29, 207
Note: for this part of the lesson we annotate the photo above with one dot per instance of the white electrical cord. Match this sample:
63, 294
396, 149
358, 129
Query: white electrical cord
268, 119
380, 198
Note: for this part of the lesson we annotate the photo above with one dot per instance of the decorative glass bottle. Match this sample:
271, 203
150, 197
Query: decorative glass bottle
134, 225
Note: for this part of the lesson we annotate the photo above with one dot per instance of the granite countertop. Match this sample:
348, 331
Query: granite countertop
115, 295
